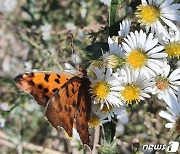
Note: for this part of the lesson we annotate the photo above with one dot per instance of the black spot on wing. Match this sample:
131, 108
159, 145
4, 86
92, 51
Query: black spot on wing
57, 81
46, 98
46, 78
45, 90
58, 76
40, 86
55, 89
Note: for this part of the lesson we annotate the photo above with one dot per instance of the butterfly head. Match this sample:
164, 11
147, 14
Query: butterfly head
82, 71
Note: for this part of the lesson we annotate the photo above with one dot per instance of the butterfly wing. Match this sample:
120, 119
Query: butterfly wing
61, 107
83, 111
41, 85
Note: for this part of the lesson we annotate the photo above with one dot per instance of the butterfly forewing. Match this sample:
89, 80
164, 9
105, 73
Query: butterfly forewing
41, 85
65, 96
61, 107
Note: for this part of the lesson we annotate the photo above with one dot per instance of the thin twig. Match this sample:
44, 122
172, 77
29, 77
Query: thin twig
96, 139
13, 143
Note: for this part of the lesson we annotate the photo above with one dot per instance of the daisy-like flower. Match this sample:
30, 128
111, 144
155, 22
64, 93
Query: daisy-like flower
112, 112
113, 61
116, 41
154, 13
97, 117
143, 53
173, 113
171, 44
114, 58
133, 85
166, 82
104, 88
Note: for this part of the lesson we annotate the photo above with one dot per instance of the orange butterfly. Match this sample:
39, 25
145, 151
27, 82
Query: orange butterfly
65, 96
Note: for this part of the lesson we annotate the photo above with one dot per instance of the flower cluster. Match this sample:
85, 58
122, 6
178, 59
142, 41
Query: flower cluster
138, 65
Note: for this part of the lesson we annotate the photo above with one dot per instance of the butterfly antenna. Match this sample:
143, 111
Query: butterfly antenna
72, 48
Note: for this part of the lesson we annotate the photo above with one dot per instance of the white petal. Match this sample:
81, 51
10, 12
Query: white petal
167, 116
169, 125
126, 47
152, 44
174, 74
169, 23
156, 50
166, 3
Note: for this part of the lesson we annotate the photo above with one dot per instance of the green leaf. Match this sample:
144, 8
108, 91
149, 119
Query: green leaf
109, 132
113, 15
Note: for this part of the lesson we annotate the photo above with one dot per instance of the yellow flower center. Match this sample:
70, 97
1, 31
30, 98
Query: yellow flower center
101, 90
147, 14
94, 121
137, 59
131, 93
173, 50
106, 109
162, 83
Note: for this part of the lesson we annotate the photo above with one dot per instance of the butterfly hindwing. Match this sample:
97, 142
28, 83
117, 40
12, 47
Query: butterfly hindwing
61, 107
41, 85
83, 111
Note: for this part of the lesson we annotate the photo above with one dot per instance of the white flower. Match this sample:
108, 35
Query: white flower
166, 82
2, 122
97, 117
112, 112
70, 26
133, 85
104, 88
124, 28
143, 53
114, 57
46, 28
172, 43
28, 65
173, 113
106, 2
69, 68
83, 9
115, 42
154, 13
114, 46
7, 5
75, 58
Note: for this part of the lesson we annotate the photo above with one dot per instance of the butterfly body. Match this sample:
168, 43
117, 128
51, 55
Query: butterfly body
65, 96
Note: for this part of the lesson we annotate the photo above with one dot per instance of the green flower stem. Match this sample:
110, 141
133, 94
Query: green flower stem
113, 11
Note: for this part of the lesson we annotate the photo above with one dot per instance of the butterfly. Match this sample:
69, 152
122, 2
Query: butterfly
65, 96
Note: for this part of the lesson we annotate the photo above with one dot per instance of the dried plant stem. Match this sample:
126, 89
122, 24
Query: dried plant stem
96, 139
14, 143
